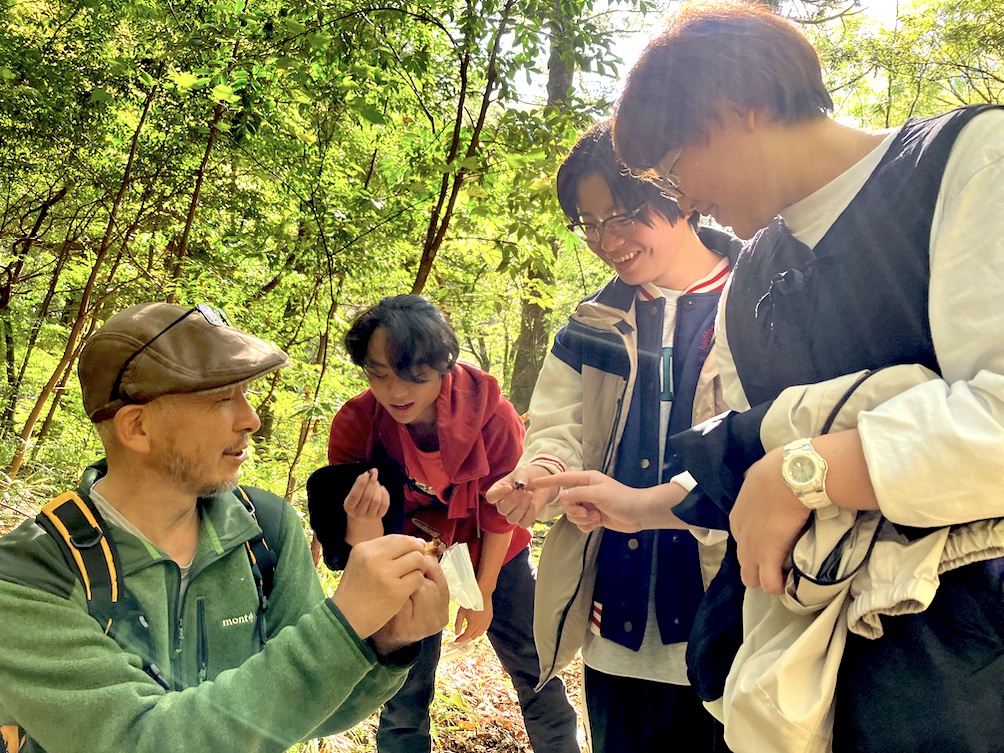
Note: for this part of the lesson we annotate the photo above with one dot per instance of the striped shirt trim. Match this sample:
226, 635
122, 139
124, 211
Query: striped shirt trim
552, 464
596, 616
712, 282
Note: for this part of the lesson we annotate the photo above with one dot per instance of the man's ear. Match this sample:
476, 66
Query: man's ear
132, 427
747, 117
752, 118
733, 113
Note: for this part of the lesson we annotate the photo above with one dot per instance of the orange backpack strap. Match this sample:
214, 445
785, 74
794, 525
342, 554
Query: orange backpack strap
77, 526
79, 529
12, 738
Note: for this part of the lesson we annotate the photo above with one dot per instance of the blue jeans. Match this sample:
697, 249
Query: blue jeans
549, 717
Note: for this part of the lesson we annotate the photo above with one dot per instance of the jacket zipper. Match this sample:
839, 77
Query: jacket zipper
179, 635
607, 463
564, 614
201, 641
608, 453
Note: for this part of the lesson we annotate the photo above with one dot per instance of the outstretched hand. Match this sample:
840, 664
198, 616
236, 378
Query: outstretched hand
517, 499
592, 500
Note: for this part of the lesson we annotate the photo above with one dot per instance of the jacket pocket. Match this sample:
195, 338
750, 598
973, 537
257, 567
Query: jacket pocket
602, 422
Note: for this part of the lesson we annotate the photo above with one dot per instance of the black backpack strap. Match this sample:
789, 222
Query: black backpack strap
267, 512
78, 528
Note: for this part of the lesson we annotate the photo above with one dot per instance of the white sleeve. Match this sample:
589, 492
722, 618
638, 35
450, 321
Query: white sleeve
554, 439
732, 388
934, 452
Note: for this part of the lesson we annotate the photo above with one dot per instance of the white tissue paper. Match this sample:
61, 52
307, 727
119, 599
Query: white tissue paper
459, 572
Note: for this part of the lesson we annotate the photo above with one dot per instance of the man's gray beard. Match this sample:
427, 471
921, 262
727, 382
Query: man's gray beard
181, 472
224, 488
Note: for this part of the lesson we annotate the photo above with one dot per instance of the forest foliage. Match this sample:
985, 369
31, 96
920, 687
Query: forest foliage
292, 162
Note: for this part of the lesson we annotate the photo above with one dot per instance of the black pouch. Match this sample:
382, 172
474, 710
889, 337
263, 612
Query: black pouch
327, 488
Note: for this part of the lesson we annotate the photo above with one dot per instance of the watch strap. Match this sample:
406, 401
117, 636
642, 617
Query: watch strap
816, 498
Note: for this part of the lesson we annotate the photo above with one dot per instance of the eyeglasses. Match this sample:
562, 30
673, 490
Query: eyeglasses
621, 225
214, 316
665, 180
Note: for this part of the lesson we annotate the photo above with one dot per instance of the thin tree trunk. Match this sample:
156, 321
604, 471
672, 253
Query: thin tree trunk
13, 276
442, 213
7, 423
83, 314
26, 243
200, 177
10, 408
310, 416
531, 344
58, 395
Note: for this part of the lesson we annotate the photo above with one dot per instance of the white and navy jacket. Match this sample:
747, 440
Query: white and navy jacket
596, 407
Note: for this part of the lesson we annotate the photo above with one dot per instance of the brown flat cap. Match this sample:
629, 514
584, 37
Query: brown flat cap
156, 349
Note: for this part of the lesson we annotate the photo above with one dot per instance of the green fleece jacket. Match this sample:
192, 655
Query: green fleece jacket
72, 688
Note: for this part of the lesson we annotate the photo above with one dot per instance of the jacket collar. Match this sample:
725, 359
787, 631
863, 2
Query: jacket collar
226, 525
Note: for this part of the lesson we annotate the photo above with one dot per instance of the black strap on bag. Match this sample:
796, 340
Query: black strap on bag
263, 558
77, 526
726, 445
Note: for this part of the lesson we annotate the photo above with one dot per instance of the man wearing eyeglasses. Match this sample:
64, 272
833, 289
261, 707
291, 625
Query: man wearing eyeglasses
870, 251
630, 368
210, 663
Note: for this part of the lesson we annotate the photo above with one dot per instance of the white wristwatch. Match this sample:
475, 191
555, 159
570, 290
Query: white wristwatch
804, 471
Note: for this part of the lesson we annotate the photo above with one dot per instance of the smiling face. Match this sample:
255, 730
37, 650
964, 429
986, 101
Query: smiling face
408, 402
648, 253
201, 440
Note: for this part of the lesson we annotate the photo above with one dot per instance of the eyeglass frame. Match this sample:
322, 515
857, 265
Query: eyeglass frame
216, 317
665, 180
627, 218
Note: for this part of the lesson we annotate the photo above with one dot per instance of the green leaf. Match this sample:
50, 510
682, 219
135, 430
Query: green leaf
185, 81
318, 40
7, 74
224, 93
373, 115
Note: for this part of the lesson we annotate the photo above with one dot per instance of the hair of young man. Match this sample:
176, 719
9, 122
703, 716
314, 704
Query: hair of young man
709, 51
417, 335
593, 154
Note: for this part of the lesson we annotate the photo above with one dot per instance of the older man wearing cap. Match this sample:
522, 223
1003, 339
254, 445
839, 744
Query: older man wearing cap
203, 659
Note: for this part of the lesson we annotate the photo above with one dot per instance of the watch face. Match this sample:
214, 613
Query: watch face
802, 469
